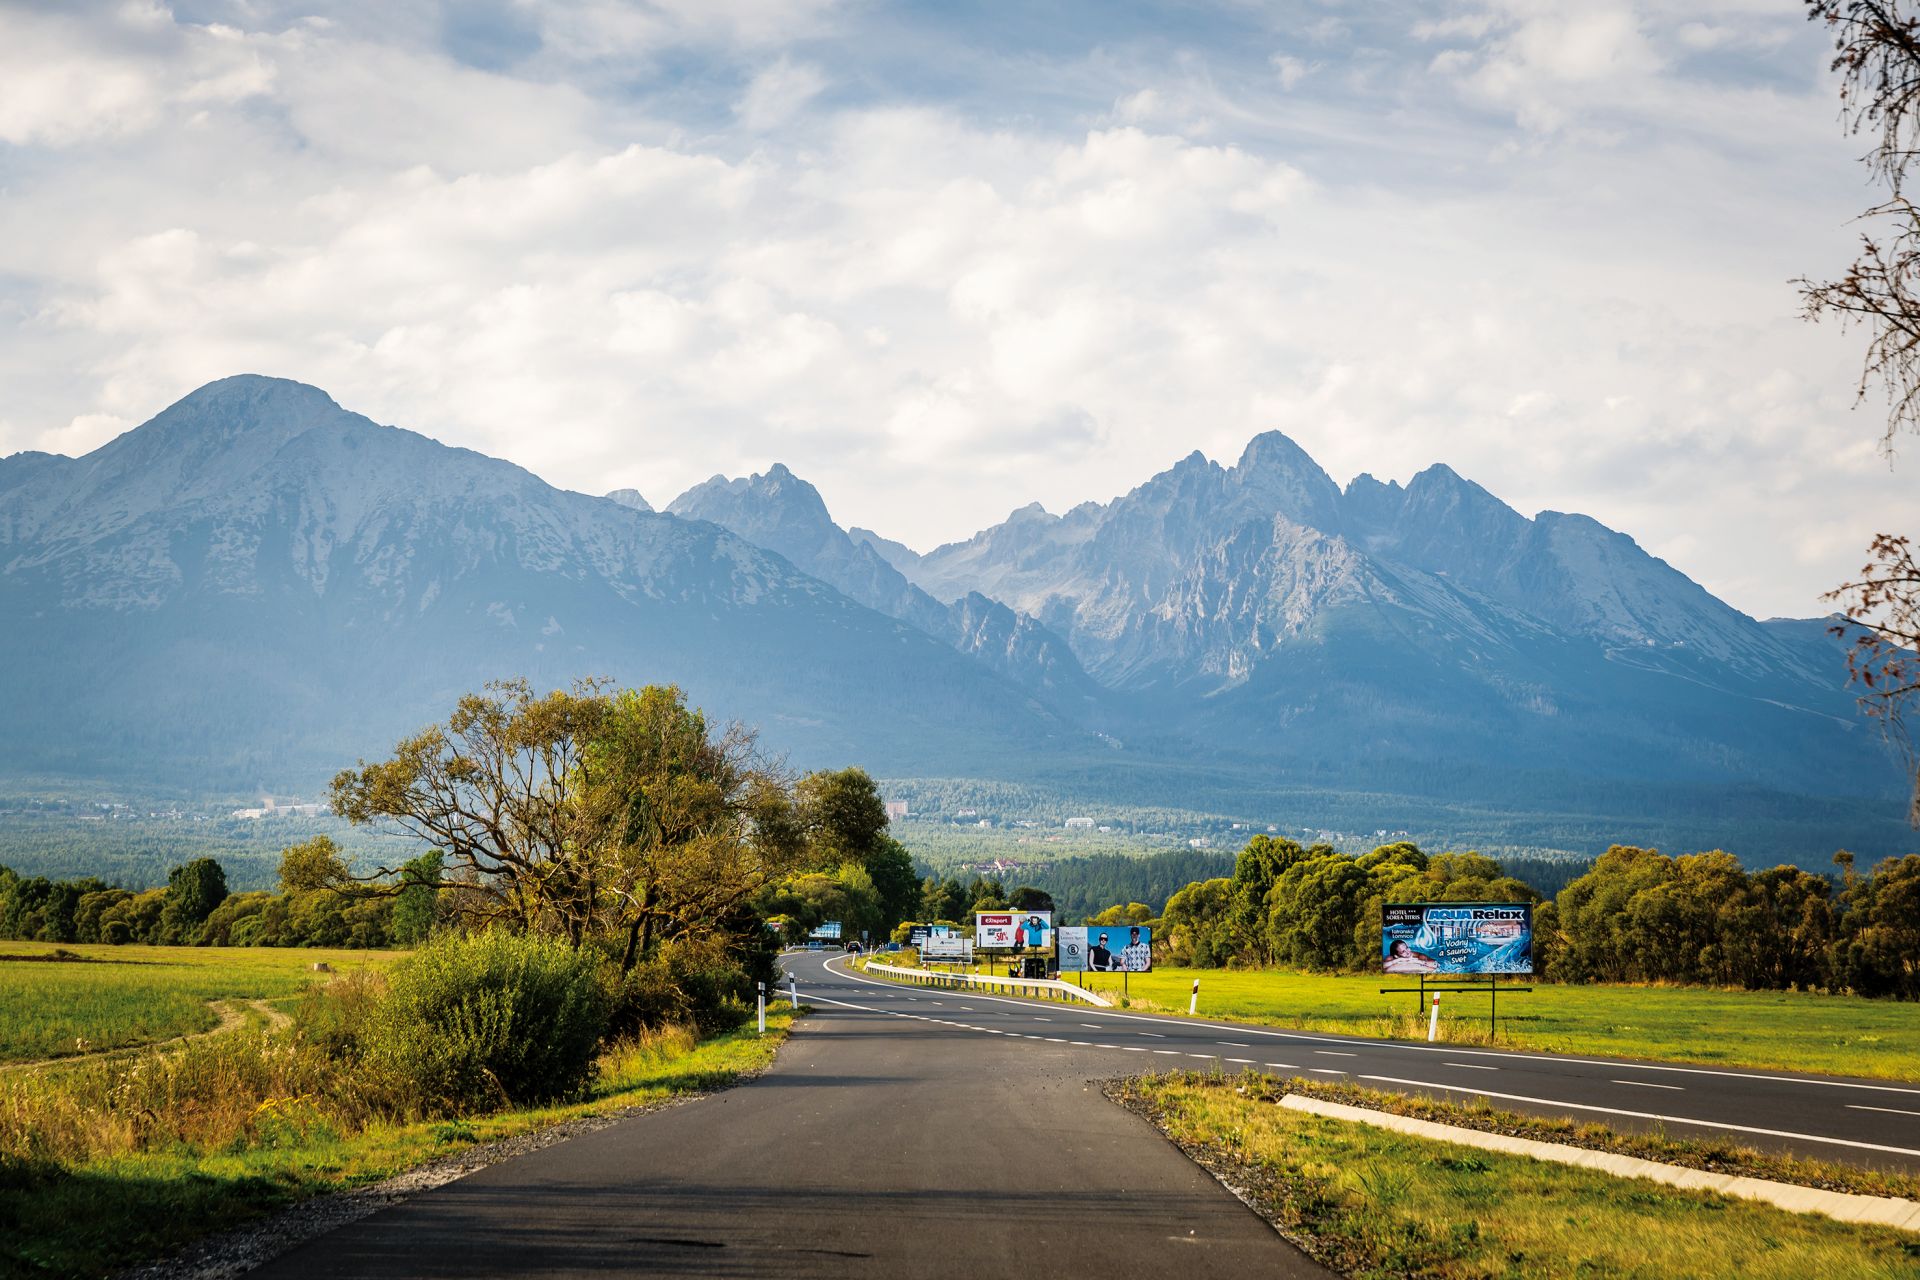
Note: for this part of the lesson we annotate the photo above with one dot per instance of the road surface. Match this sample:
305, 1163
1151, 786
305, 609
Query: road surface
911, 1131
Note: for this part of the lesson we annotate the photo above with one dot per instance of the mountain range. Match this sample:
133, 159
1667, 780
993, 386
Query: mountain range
257, 587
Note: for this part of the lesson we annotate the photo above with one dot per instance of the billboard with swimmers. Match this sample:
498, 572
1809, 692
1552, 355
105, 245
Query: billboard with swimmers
1456, 937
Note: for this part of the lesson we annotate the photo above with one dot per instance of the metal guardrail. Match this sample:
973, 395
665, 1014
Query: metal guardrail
1034, 988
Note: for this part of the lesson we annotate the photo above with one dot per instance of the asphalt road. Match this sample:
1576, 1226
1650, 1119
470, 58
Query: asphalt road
879, 1144
1873, 1123
911, 1131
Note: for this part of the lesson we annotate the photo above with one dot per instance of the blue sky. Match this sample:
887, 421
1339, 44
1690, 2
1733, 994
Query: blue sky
945, 259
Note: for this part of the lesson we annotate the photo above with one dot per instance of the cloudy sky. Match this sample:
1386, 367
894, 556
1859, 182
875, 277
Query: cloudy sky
944, 259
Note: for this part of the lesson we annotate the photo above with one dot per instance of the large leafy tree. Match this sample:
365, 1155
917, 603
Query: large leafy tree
1877, 53
618, 817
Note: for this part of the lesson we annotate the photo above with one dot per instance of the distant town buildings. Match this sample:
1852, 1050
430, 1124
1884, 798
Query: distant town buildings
271, 808
1079, 824
896, 810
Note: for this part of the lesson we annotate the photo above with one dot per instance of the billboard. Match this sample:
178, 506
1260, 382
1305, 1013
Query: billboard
1006, 930
1106, 948
946, 947
829, 931
1456, 937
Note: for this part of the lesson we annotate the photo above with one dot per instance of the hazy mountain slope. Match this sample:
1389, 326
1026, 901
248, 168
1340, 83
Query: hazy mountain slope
259, 584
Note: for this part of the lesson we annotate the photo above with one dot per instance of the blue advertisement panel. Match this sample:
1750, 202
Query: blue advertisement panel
1456, 937
830, 931
1106, 948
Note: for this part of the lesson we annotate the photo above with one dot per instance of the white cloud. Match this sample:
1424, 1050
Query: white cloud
939, 312
777, 94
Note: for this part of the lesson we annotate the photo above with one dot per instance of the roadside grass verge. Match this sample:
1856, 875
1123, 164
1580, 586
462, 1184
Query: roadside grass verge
1769, 1030
85, 1191
1370, 1203
107, 997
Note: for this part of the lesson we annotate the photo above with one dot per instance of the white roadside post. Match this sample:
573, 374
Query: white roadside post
793, 991
1193, 1001
1433, 1020
763, 1007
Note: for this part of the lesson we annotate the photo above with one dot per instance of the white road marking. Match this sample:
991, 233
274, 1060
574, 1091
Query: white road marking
1053, 1040
1171, 1053
1093, 1026
1326, 1071
1471, 1066
1284, 1066
1133, 1048
1648, 1115
1106, 1046
1208, 1056
1335, 1053
1894, 1111
1080, 1044
1234, 1044
1248, 1061
1155, 1034
1648, 1084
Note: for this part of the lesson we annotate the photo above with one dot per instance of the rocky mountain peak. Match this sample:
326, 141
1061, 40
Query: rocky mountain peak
631, 498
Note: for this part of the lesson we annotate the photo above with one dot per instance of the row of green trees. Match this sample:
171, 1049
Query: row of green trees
1636, 916
619, 821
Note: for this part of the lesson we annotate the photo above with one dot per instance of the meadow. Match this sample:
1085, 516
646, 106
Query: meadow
1372, 1203
1770, 1030
60, 1001
120, 1160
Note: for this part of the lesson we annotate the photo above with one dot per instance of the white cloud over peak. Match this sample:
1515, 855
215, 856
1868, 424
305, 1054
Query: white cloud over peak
944, 288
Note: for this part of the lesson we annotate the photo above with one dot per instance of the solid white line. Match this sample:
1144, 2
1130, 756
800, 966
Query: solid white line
1892, 1111
1535, 1059
1648, 1084
1648, 1115
1471, 1066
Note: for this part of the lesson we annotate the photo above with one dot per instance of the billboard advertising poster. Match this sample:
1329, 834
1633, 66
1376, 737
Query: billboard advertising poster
946, 947
1456, 937
1006, 930
829, 931
1106, 948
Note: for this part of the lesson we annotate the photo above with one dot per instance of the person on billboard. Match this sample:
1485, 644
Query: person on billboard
1033, 933
1099, 956
1402, 958
1136, 956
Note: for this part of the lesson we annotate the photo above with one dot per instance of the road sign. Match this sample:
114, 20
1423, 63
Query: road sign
827, 932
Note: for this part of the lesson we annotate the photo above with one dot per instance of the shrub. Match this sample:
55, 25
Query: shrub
683, 986
470, 1023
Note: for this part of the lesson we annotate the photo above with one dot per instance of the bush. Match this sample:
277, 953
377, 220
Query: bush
471, 1023
683, 986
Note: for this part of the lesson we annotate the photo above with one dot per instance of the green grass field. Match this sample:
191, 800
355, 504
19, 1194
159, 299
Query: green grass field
1783, 1030
93, 1217
1778, 1030
1371, 1203
115, 997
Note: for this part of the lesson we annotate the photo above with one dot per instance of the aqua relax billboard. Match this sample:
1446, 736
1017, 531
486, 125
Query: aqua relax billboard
1106, 948
1456, 937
